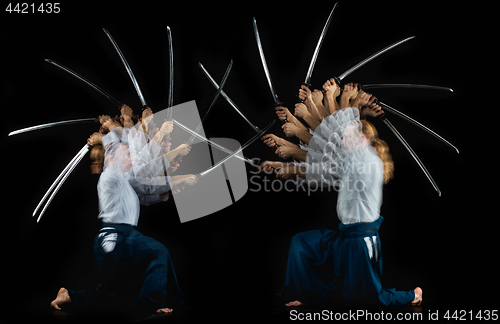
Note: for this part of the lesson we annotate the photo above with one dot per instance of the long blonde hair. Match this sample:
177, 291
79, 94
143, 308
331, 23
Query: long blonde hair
381, 147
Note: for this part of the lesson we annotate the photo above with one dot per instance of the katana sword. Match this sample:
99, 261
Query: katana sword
412, 153
402, 85
277, 102
104, 93
219, 90
307, 81
217, 93
369, 58
204, 139
129, 70
255, 128
413, 121
56, 185
171, 64
65, 122
253, 139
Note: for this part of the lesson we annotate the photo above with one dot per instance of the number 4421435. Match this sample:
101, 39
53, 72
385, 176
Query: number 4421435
24, 8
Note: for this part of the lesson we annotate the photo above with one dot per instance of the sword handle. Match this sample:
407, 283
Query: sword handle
280, 104
309, 86
337, 81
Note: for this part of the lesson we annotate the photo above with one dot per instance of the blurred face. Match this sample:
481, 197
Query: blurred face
350, 138
353, 140
123, 153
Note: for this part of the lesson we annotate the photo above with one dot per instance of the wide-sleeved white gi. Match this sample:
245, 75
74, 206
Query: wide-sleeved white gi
133, 174
347, 261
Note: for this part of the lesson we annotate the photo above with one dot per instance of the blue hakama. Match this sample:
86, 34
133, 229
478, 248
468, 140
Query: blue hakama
339, 262
135, 271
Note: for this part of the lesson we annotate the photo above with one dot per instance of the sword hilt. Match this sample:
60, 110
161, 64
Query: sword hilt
309, 86
280, 104
337, 81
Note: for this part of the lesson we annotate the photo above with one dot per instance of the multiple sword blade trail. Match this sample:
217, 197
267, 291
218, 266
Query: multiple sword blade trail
127, 67
57, 184
92, 85
64, 122
255, 128
277, 102
307, 81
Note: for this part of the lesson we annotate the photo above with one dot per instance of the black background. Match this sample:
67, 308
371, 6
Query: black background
236, 257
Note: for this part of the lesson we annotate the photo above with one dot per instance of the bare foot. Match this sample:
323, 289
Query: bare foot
165, 310
418, 297
61, 299
295, 303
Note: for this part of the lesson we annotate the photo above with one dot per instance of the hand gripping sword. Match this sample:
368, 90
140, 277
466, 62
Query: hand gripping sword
307, 81
129, 70
369, 58
255, 128
277, 102
253, 139
56, 185
412, 153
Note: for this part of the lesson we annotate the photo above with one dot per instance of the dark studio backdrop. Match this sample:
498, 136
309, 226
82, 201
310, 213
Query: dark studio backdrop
238, 255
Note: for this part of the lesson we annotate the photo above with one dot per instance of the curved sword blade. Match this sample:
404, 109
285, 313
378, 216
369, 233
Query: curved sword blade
171, 62
255, 128
63, 175
65, 122
253, 139
264, 64
80, 157
219, 90
127, 67
318, 46
104, 93
404, 85
195, 134
413, 121
371, 57
413, 154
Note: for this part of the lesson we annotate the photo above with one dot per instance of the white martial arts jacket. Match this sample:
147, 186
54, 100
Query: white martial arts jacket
133, 174
357, 173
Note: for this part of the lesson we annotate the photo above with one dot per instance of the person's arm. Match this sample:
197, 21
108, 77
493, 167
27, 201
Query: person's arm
349, 93
126, 116
302, 112
317, 97
291, 130
361, 99
284, 114
95, 139
306, 95
332, 91
165, 130
373, 110
286, 152
291, 171
272, 140
181, 150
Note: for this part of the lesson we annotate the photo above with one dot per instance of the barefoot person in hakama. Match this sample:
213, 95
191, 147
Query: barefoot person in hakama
135, 271
346, 263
